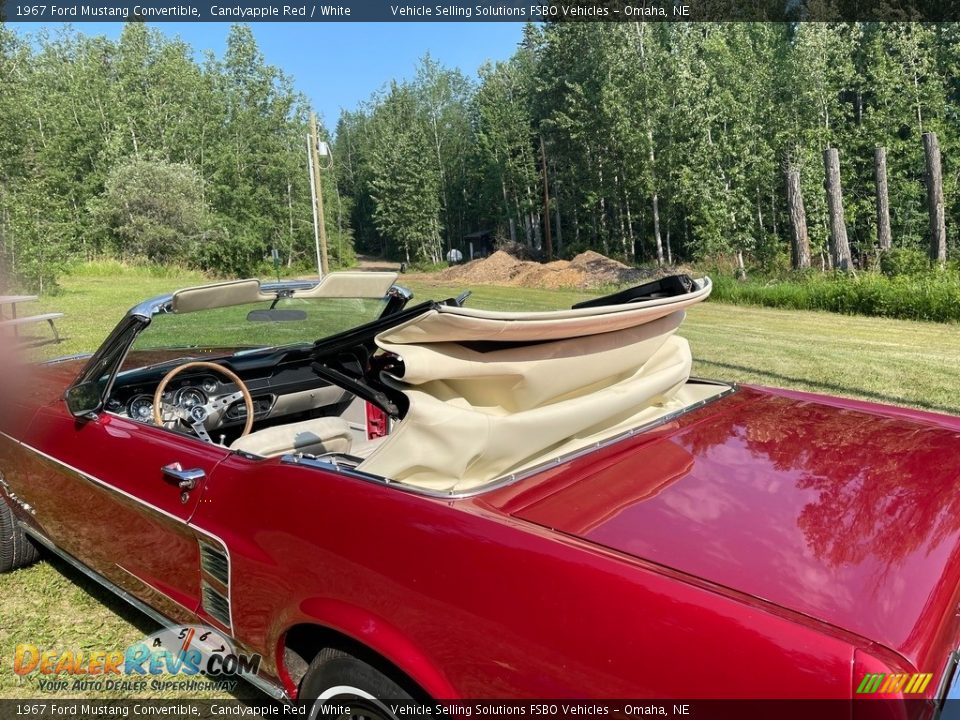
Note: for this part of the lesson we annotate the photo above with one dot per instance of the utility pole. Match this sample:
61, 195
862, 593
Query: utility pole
546, 201
320, 228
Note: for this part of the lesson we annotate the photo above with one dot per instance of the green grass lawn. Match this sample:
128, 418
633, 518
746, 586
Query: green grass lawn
895, 361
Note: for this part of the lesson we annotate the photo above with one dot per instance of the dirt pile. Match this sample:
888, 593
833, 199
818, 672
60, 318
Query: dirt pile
587, 270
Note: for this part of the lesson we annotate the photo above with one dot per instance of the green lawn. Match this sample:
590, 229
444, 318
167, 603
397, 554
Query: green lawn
896, 361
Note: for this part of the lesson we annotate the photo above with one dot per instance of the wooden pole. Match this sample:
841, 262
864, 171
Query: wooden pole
800, 245
548, 238
655, 198
884, 238
315, 144
839, 246
938, 230
313, 202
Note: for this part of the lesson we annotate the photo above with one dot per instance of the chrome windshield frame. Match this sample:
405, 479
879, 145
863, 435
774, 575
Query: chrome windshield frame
139, 317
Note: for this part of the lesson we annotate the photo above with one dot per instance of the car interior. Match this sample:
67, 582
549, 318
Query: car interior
387, 396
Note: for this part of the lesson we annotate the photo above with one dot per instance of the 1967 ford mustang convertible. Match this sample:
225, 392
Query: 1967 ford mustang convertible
425, 500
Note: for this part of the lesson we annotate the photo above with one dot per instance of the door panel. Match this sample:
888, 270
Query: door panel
99, 493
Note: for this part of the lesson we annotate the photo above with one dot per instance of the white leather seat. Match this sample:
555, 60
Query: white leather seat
314, 437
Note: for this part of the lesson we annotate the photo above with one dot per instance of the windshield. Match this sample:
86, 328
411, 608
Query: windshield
288, 321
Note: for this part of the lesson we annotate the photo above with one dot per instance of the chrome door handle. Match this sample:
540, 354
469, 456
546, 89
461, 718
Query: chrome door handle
185, 479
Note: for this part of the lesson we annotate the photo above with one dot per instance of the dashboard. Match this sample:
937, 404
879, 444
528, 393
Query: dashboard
281, 384
186, 392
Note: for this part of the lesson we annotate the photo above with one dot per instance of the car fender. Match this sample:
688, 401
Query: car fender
374, 633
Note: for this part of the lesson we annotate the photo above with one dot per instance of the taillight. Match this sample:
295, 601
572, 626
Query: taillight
884, 692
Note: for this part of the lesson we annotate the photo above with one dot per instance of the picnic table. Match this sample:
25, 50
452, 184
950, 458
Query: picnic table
9, 318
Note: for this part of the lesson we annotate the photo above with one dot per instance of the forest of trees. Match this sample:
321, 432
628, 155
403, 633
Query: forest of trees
132, 149
660, 142
656, 143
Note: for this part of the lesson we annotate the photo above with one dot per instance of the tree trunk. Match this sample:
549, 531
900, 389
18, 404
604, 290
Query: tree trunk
884, 239
839, 246
546, 201
800, 240
556, 211
938, 230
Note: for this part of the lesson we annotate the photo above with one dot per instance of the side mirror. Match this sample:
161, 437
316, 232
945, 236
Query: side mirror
84, 399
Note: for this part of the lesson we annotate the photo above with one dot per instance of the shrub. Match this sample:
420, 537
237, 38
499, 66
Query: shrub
903, 261
933, 296
150, 210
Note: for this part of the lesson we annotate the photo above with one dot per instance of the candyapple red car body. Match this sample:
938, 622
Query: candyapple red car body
768, 544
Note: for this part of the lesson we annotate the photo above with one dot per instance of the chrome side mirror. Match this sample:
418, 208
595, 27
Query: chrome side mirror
84, 399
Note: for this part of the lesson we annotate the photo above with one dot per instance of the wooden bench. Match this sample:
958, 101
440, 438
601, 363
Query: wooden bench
19, 322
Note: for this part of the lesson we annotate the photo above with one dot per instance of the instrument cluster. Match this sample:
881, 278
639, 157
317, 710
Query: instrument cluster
185, 393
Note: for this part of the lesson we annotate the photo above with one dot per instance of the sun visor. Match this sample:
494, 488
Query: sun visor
226, 294
351, 285
243, 292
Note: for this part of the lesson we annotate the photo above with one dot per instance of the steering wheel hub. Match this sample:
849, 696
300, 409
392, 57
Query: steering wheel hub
196, 415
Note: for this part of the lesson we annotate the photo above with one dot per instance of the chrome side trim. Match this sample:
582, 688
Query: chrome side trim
266, 686
67, 358
213, 561
214, 603
949, 686
501, 482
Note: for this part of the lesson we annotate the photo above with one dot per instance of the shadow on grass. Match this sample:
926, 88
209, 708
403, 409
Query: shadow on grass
836, 388
243, 692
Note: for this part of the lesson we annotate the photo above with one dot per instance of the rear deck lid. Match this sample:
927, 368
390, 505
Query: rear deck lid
842, 515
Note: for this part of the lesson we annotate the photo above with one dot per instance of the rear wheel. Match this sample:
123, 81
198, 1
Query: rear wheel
16, 550
338, 680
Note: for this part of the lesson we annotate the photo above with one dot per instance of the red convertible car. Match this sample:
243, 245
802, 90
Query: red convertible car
391, 499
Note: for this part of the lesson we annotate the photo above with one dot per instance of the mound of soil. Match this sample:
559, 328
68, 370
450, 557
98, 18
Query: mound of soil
587, 270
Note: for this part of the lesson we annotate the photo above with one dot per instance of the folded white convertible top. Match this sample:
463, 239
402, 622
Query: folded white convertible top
448, 323
492, 393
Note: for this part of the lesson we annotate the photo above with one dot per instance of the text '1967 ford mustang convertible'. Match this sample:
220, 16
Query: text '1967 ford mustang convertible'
403, 500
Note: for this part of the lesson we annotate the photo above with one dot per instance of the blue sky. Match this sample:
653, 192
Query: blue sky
338, 65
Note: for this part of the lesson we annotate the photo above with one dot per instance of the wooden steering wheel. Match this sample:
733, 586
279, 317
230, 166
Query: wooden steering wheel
196, 421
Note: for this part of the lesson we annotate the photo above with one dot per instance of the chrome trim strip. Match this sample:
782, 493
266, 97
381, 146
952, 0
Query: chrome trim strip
148, 308
263, 684
162, 303
949, 686
209, 598
67, 358
106, 486
210, 562
403, 292
515, 477
151, 587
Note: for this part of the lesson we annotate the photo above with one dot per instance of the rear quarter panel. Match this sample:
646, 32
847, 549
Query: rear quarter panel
472, 604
